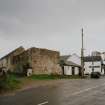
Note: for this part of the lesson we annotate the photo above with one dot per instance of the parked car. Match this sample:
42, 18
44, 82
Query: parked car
99, 73
95, 74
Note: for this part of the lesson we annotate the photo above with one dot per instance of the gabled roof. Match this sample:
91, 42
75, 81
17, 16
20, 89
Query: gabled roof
75, 55
65, 57
63, 60
92, 58
70, 63
11, 52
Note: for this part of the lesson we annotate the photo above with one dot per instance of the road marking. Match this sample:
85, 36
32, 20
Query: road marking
85, 90
46, 102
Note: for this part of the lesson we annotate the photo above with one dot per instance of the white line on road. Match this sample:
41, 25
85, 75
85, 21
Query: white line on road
46, 102
85, 90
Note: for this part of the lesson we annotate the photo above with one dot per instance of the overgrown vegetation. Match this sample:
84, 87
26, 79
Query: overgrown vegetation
9, 82
12, 82
51, 77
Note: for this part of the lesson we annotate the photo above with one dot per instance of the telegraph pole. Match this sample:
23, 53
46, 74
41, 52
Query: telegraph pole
82, 55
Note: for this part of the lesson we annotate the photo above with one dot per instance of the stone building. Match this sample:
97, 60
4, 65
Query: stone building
41, 61
7, 61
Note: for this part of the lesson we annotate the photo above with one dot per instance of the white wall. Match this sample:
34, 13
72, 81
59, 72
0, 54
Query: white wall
76, 70
68, 70
89, 70
75, 58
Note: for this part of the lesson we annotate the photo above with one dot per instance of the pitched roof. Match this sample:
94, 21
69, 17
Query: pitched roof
70, 63
65, 57
92, 58
11, 52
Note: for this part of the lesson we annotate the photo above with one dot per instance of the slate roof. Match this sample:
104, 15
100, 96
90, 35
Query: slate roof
70, 63
65, 57
92, 58
11, 52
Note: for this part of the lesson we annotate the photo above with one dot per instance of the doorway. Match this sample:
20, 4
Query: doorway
73, 70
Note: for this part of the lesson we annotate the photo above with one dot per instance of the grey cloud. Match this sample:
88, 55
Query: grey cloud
54, 24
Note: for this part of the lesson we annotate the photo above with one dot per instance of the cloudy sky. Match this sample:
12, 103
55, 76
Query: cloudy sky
52, 24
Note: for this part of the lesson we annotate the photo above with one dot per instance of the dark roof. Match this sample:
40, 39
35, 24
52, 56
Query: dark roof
70, 63
65, 57
11, 52
92, 58
63, 60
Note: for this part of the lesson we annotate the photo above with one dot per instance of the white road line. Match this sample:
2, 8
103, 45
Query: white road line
46, 102
85, 90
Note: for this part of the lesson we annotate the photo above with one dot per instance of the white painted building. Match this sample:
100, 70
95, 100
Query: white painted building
93, 64
96, 53
71, 64
75, 59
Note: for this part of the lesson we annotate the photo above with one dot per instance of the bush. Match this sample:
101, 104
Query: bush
9, 82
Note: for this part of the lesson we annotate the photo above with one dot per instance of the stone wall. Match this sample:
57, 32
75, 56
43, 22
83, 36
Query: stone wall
45, 61
7, 61
42, 61
20, 61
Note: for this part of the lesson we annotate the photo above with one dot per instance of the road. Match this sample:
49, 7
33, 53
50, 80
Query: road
67, 92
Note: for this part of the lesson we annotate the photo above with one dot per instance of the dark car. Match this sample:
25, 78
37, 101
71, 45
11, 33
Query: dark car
95, 75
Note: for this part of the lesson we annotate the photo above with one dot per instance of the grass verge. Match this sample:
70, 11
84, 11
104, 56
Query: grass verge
9, 83
12, 82
51, 77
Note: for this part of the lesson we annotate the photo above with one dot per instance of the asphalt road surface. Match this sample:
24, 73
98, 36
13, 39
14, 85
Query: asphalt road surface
67, 92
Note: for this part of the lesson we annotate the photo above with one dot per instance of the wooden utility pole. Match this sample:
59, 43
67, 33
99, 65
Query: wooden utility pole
82, 55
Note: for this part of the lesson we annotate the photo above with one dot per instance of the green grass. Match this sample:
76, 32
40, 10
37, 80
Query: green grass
52, 77
9, 82
12, 82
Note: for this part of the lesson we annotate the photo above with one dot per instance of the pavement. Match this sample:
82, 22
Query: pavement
64, 92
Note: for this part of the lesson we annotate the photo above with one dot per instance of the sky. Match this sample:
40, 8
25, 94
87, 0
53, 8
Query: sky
52, 24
